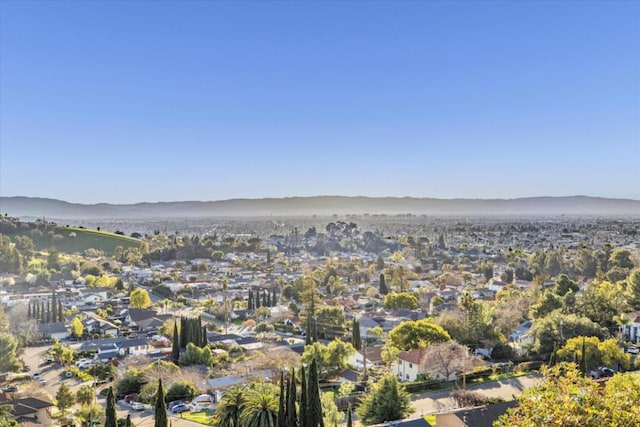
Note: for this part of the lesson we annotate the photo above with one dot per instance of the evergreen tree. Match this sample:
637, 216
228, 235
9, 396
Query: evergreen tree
250, 301
111, 417
356, 341
205, 340
47, 318
60, 312
175, 349
383, 285
386, 402
314, 405
303, 399
127, 422
161, 407
291, 417
308, 337
183, 332
41, 317
64, 398
274, 298
257, 302
349, 417
265, 303
282, 422
29, 315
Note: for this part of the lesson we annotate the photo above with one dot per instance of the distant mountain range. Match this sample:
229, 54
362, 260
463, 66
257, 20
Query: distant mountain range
322, 205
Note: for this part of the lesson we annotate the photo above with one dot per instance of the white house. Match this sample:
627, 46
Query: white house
632, 330
409, 364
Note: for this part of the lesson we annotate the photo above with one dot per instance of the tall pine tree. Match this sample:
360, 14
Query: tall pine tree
356, 341
383, 285
175, 349
161, 407
292, 418
303, 398
282, 403
314, 405
111, 417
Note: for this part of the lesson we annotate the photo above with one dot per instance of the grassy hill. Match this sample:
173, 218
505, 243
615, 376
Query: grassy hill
69, 239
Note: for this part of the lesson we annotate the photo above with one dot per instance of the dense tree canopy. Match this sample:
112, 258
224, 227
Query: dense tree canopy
417, 334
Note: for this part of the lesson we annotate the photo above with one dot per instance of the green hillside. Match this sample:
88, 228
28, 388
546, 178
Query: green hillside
67, 239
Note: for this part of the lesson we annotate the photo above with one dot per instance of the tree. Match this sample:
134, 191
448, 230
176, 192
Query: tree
621, 258
8, 353
111, 417
349, 417
356, 341
85, 394
387, 402
160, 407
444, 359
633, 289
400, 301
260, 407
303, 398
282, 405
571, 399
383, 285
330, 359
77, 329
552, 331
175, 348
314, 404
64, 398
417, 334
180, 390
139, 298
7, 418
229, 408
291, 416
565, 285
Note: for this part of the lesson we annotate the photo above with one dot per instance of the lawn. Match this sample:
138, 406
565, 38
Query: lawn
205, 417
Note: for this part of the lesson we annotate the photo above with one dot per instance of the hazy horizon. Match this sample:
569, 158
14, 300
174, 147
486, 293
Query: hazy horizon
128, 102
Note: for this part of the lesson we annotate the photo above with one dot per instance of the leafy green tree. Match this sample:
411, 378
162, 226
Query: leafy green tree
400, 301
139, 298
77, 328
565, 285
229, 408
180, 390
417, 334
8, 353
6, 416
330, 358
573, 400
633, 290
160, 418
387, 402
64, 398
111, 417
553, 330
621, 258
85, 394
329, 320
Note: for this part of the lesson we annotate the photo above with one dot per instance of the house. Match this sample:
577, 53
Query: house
374, 357
632, 330
33, 410
53, 331
144, 319
483, 416
409, 364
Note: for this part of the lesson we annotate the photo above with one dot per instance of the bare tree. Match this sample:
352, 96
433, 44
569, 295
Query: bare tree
444, 359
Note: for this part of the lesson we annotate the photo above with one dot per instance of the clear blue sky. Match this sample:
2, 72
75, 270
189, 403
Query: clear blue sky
129, 101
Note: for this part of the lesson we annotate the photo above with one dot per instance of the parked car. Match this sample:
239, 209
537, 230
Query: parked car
43, 381
137, 406
11, 389
182, 407
36, 375
602, 372
68, 374
130, 398
632, 349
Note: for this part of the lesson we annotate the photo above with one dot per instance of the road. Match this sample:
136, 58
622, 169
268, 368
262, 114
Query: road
440, 401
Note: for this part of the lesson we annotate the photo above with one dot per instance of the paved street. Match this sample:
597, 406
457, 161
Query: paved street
439, 401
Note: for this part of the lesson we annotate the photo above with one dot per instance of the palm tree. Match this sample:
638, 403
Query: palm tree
260, 409
230, 407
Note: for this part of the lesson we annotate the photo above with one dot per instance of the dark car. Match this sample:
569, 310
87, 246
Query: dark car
11, 389
602, 372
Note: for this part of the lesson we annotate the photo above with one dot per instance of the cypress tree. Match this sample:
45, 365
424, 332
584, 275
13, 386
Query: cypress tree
127, 422
183, 332
383, 285
29, 310
175, 349
205, 340
274, 298
111, 417
281, 403
303, 398
257, 298
308, 333
250, 300
47, 318
314, 405
60, 312
355, 335
54, 307
265, 302
161, 407
41, 316
292, 419
349, 417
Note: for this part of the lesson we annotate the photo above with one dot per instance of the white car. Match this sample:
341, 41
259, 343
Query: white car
137, 406
633, 349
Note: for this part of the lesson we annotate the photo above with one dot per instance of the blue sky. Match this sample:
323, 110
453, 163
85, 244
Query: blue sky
155, 101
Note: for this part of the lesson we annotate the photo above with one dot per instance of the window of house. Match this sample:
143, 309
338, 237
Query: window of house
407, 376
411, 365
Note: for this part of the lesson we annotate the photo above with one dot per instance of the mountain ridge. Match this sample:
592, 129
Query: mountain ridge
23, 206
